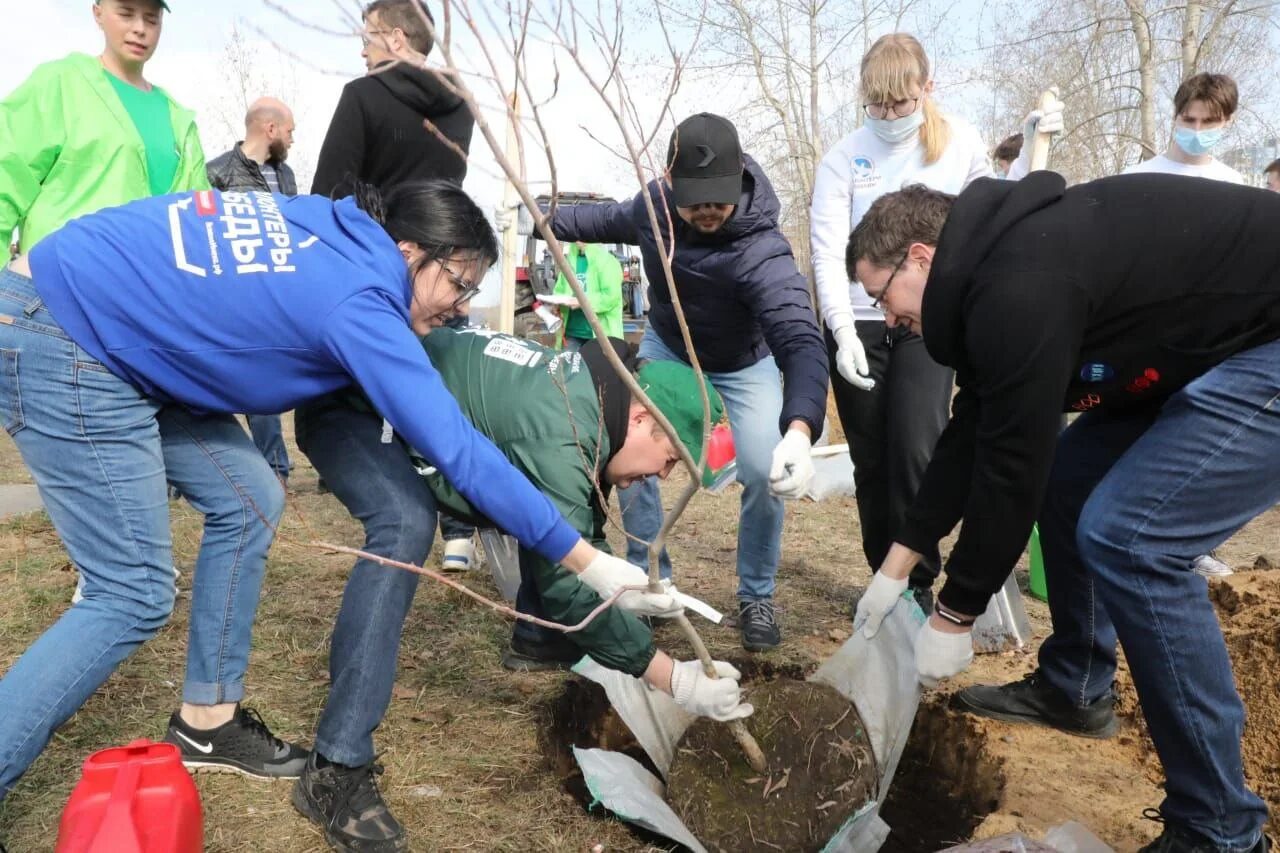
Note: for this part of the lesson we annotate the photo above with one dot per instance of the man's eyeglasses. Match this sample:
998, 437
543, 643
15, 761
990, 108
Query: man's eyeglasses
878, 302
466, 289
897, 109
366, 36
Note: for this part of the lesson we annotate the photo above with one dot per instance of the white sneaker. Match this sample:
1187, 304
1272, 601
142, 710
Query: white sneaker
1210, 566
459, 555
78, 595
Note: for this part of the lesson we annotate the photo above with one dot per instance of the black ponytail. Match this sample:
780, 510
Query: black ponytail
437, 215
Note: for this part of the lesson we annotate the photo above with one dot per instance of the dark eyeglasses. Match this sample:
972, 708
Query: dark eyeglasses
878, 302
898, 109
466, 289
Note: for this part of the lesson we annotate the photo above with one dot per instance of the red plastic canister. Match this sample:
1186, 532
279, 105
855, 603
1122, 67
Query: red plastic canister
133, 799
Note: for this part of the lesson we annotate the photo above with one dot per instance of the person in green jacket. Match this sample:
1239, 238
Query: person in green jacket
569, 423
600, 275
87, 132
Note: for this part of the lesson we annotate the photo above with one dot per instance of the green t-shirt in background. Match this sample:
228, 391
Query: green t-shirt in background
150, 114
578, 327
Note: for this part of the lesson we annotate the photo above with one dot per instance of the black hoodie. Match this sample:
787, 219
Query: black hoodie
379, 135
1108, 296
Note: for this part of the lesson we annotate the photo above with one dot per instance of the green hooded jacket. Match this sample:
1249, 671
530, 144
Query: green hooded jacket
541, 408
603, 288
68, 147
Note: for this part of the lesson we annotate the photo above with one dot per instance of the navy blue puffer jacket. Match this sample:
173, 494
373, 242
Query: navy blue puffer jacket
740, 289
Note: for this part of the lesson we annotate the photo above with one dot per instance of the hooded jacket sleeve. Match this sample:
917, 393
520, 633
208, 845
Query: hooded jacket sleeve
997, 459
31, 139
598, 223
369, 338
829, 236
193, 174
342, 153
778, 296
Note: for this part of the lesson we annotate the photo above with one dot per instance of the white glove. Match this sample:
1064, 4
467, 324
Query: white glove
792, 469
941, 655
501, 219
717, 698
851, 359
881, 596
1038, 121
607, 573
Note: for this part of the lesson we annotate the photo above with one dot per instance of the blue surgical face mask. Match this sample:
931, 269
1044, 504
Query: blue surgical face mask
896, 130
1197, 142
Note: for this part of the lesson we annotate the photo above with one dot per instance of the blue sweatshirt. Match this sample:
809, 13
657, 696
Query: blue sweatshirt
252, 302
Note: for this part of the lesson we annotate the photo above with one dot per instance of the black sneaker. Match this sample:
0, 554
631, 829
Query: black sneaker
1180, 839
242, 745
525, 655
1033, 700
346, 803
758, 622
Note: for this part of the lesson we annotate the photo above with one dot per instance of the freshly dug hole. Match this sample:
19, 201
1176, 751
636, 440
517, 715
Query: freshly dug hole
821, 771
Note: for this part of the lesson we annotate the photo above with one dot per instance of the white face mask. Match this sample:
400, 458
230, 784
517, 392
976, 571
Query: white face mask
896, 130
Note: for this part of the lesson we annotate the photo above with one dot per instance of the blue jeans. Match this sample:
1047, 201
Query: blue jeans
268, 436
98, 451
1132, 500
753, 400
377, 483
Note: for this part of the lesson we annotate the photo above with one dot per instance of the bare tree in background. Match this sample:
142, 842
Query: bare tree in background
1117, 64
796, 61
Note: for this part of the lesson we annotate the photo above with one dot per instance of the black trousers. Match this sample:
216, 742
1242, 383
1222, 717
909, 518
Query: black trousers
892, 431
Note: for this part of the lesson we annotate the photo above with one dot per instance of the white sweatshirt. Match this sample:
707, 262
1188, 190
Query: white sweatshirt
1214, 170
860, 169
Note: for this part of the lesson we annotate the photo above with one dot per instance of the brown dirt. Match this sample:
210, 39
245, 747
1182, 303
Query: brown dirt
821, 771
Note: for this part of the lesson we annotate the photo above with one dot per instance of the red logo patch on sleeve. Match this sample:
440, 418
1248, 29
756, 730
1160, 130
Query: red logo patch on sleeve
206, 203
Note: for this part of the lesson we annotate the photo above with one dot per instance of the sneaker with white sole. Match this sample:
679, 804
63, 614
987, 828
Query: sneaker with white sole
1209, 566
459, 555
241, 745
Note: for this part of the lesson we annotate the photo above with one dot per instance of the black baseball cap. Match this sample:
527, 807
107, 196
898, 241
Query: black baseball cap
705, 161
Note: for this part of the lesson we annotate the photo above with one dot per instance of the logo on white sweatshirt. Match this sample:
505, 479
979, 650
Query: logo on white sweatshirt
863, 170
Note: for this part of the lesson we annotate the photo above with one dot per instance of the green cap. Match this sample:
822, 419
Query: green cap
673, 388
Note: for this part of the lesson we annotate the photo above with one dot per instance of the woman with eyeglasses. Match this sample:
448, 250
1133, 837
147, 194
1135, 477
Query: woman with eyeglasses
892, 398
224, 302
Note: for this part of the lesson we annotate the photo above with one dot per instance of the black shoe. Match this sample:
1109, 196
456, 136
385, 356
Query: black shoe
242, 745
923, 596
1180, 839
1033, 700
540, 656
759, 625
346, 803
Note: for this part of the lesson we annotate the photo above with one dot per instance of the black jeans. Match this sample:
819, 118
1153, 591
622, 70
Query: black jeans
892, 431
377, 483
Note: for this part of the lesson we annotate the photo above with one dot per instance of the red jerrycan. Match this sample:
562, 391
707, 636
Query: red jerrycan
133, 799
720, 450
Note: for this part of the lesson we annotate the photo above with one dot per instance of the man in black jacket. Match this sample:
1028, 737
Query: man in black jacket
388, 125
745, 302
1149, 304
258, 163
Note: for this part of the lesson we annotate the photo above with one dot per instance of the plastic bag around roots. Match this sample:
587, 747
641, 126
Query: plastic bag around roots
878, 676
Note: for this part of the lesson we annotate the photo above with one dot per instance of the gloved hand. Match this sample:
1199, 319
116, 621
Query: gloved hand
879, 598
792, 468
717, 698
851, 359
1038, 121
501, 219
607, 573
941, 654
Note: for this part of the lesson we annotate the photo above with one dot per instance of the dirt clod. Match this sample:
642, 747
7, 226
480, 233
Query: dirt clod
821, 770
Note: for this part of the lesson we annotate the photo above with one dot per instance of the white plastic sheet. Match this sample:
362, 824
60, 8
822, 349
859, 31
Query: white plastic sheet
878, 676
